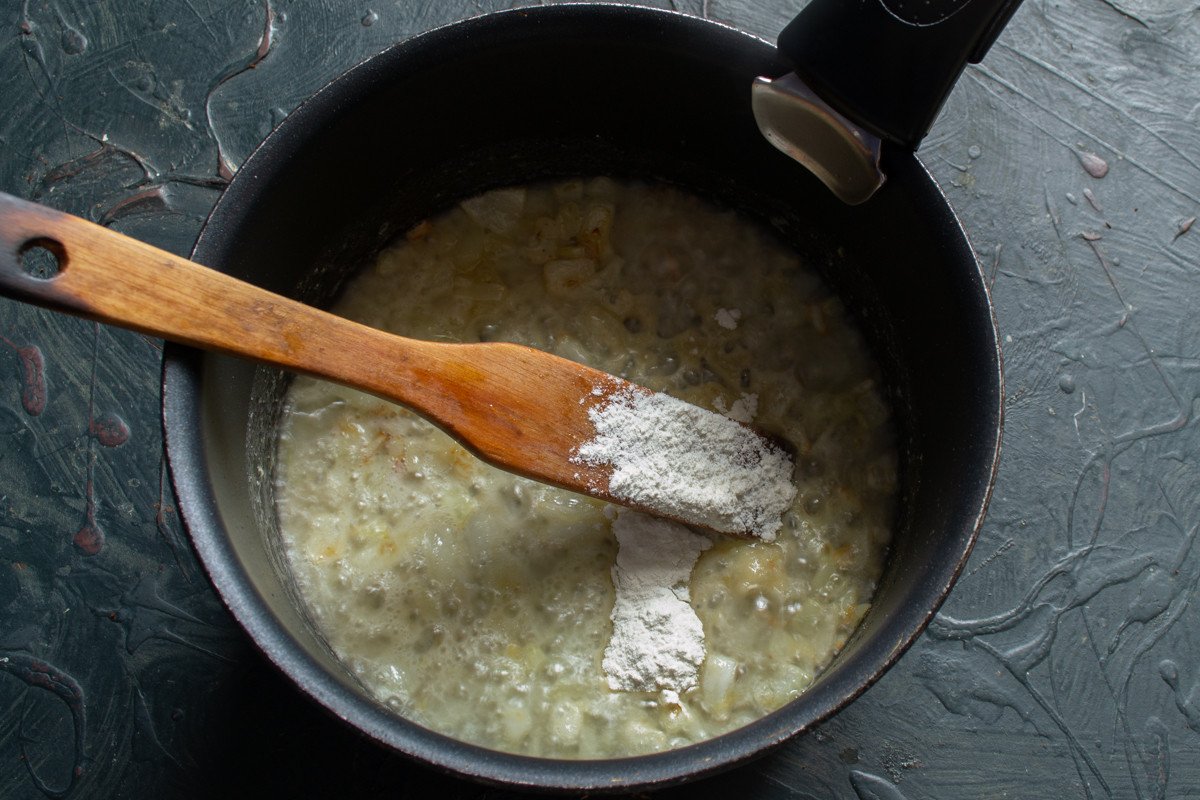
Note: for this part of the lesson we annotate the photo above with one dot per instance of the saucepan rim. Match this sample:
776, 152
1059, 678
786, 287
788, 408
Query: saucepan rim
182, 411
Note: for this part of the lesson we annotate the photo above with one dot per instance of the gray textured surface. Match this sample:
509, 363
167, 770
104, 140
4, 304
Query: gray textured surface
1066, 662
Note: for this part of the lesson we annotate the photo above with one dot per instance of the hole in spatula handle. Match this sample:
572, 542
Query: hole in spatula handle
42, 258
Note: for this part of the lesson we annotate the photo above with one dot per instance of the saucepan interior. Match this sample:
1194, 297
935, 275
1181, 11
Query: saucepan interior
574, 91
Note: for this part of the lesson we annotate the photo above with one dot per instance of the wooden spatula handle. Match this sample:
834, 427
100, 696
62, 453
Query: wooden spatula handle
492, 397
112, 278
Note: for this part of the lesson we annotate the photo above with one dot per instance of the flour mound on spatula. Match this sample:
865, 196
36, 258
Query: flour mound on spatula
657, 641
690, 464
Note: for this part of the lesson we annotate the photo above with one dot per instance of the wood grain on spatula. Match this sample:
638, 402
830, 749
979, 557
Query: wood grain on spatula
521, 409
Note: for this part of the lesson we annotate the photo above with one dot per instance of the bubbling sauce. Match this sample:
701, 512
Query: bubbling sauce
478, 603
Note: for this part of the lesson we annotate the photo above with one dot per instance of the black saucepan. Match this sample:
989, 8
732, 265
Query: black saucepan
564, 91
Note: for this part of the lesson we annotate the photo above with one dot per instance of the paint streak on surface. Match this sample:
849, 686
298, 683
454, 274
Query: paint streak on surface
33, 377
38, 674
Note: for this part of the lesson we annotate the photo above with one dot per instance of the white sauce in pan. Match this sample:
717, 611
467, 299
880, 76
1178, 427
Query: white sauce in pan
481, 604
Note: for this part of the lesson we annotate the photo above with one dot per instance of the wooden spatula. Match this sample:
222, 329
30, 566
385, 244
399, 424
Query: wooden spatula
523, 410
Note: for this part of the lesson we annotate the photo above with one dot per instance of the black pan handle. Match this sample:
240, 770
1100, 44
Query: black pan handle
888, 65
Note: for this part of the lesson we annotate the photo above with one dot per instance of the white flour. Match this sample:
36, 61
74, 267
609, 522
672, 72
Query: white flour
742, 410
657, 641
690, 464
728, 317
